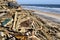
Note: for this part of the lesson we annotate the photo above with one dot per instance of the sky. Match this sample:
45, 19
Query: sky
38, 1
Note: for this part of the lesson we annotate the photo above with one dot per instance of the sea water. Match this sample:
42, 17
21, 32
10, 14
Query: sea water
44, 9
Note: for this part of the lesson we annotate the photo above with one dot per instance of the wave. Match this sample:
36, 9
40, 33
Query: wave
44, 9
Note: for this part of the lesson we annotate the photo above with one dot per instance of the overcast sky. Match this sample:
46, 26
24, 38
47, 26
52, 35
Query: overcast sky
38, 1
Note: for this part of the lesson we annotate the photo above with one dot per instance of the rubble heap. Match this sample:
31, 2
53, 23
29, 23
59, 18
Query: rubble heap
19, 24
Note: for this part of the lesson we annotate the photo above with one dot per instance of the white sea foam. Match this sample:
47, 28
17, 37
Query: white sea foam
44, 9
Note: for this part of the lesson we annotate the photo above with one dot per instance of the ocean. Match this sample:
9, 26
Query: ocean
44, 8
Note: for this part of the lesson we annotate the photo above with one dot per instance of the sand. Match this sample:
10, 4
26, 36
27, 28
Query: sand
48, 15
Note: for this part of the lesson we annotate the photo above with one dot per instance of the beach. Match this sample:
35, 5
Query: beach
33, 22
50, 16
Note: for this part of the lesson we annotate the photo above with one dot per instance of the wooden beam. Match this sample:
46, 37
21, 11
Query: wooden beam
15, 19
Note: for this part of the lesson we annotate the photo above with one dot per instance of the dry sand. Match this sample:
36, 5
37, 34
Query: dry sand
50, 16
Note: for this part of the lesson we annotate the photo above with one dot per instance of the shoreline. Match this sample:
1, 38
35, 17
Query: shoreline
54, 17
49, 16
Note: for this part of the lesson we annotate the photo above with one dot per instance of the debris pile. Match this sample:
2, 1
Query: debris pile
19, 24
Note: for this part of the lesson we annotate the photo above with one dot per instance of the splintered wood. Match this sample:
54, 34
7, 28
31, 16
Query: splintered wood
17, 23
